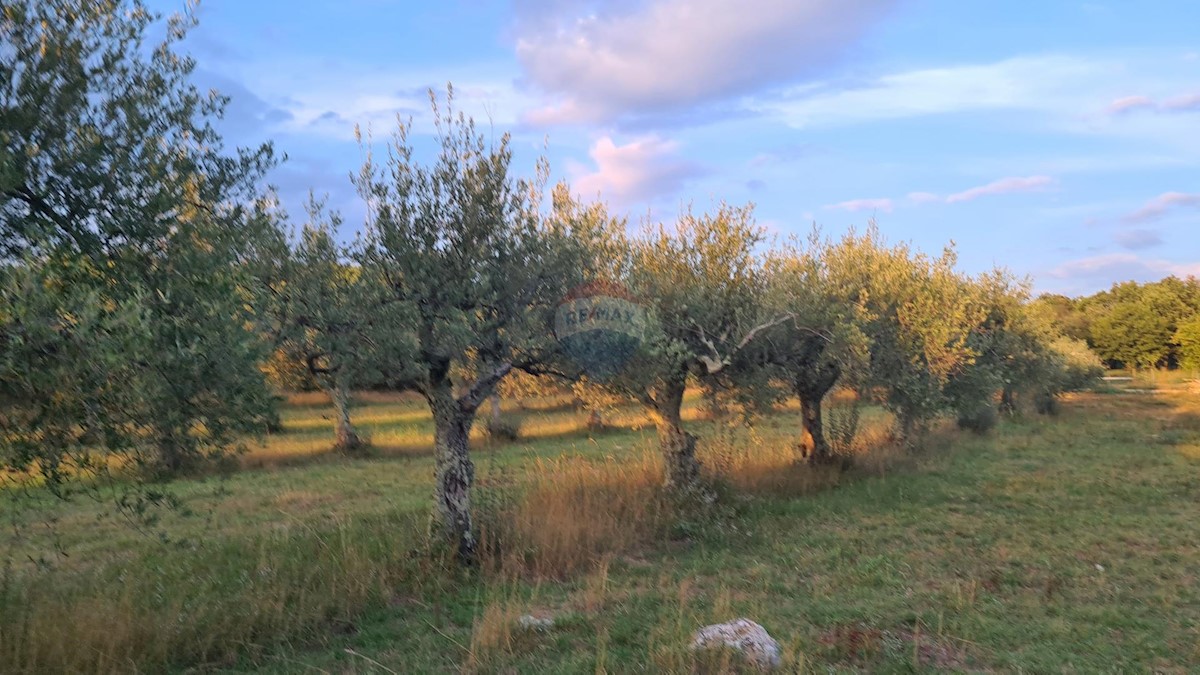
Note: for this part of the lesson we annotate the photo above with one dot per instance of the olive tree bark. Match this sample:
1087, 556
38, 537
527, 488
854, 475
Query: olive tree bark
1008, 402
678, 447
494, 399
811, 388
347, 439
454, 471
812, 441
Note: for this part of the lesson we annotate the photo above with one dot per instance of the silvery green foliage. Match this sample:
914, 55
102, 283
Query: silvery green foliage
127, 229
916, 313
823, 345
334, 319
461, 245
701, 282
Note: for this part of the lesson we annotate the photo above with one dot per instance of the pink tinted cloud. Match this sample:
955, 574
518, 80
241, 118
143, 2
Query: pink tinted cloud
1129, 104
1003, 186
599, 61
1159, 206
1137, 239
884, 205
641, 170
1187, 103
1177, 104
923, 197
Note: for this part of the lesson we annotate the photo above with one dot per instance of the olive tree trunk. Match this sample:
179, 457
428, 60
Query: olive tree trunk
454, 471
347, 439
816, 447
1008, 400
678, 447
494, 400
811, 388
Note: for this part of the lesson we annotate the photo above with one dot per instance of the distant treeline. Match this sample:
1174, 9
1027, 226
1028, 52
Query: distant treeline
1132, 325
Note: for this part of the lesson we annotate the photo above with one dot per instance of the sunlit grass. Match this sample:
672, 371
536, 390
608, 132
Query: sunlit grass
1054, 544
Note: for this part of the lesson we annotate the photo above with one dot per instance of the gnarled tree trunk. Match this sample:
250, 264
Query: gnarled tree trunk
1008, 400
678, 447
811, 388
454, 472
816, 447
494, 400
347, 439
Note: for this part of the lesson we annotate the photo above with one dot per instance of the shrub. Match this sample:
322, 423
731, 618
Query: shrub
503, 428
1046, 403
980, 419
841, 426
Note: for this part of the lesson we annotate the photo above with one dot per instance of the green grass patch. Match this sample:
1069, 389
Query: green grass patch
1052, 544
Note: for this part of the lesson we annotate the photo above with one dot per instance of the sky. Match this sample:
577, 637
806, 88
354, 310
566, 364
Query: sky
1056, 138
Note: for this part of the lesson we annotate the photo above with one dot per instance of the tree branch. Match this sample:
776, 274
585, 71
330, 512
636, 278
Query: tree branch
716, 362
482, 387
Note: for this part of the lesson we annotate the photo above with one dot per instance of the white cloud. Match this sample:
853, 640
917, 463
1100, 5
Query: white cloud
1122, 266
1024, 83
601, 61
1138, 239
923, 197
641, 170
884, 205
1061, 94
1188, 103
1159, 206
1002, 186
326, 99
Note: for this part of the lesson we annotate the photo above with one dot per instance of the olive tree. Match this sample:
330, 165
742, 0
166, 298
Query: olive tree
117, 193
702, 283
917, 313
461, 245
823, 343
334, 319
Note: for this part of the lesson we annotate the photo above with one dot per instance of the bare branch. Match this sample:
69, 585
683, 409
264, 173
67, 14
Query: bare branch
716, 362
483, 386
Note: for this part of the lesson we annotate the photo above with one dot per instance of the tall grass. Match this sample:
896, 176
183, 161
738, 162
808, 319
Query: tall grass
572, 513
206, 604
231, 601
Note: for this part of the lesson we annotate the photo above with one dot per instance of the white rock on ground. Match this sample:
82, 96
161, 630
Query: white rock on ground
742, 635
536, 623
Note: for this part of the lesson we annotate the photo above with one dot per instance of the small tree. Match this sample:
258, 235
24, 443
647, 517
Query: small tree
1007, 352
461, 245
917, 314
823, 344
703, 285
335, 320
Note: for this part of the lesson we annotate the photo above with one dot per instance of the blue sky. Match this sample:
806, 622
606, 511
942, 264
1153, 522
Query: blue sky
1059, 139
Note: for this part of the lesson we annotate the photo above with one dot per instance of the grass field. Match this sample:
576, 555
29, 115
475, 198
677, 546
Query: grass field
1067, 544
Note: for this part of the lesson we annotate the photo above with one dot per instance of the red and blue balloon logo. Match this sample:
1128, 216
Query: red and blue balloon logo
600, 326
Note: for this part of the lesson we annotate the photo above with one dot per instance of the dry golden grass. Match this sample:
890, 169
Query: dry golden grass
559, 518
571, 514
769, 463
